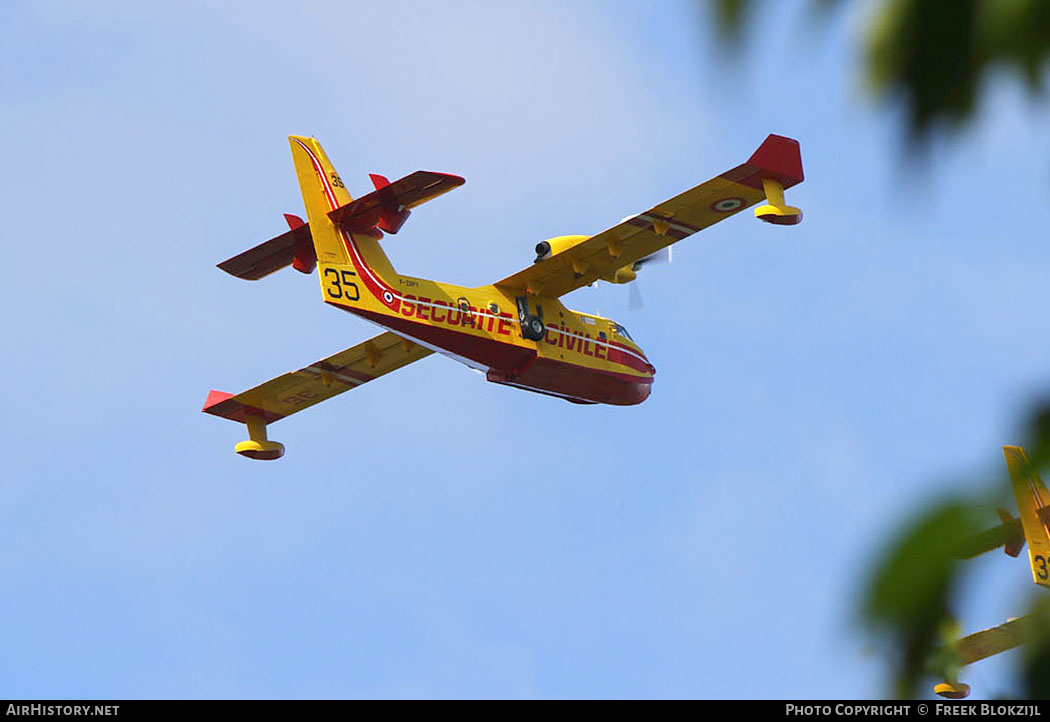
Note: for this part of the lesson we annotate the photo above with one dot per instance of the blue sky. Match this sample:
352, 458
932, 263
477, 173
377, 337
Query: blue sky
432, 535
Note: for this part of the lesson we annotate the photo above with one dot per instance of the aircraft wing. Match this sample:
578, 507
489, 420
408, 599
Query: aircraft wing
275, 254
986, 643
634, 238
298, 390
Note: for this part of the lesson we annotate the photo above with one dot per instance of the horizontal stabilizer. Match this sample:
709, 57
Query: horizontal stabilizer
293, 248
387, 207
1008, 535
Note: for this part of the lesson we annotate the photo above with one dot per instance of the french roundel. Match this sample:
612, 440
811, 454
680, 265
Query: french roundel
388, 297
727, 204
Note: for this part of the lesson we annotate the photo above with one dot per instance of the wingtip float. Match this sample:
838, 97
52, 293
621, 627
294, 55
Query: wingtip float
516, 330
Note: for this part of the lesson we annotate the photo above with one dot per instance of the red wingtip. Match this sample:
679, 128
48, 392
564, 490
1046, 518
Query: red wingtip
294, 221
781, 158
379, 181
215, 397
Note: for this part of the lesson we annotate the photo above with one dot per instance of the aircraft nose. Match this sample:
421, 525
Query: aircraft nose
642, 392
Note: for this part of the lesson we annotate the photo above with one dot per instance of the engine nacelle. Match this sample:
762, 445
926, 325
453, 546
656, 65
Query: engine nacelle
554, 246
622, 275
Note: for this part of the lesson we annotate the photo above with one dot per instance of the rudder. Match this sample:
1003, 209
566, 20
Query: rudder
1033, 504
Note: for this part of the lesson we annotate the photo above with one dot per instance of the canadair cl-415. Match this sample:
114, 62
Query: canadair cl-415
515, 331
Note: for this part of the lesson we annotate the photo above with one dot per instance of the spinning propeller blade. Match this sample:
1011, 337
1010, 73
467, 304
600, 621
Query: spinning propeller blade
634, 297
634, 293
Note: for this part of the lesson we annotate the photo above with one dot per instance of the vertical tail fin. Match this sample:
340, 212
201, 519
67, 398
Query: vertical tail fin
323, 191
1033, 503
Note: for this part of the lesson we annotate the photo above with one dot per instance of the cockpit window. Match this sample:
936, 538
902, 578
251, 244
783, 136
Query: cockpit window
620, 331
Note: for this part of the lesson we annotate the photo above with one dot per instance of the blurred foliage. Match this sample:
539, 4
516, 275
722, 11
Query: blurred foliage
915, 581
730, 16
909, 594
1035, 659
933, 55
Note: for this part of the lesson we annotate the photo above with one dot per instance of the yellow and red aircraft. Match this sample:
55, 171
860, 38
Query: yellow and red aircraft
1033, 526
515, 330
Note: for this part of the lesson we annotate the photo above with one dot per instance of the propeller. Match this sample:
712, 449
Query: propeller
634, 297
661, 257
634, 293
